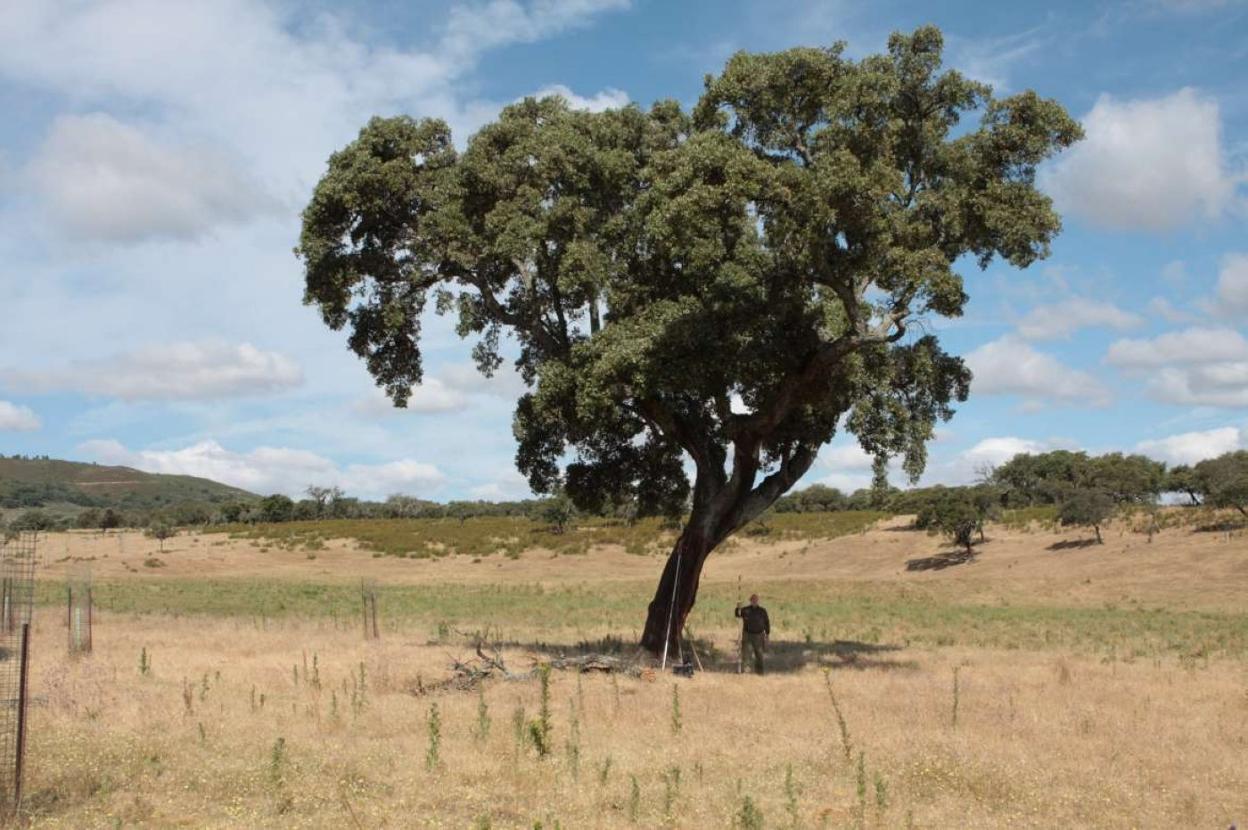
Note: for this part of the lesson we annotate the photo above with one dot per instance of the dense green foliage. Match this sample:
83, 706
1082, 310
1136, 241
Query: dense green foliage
1221, 481
1049, 478
730, 285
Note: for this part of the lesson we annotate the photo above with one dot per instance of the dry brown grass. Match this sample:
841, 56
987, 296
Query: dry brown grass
1044, 738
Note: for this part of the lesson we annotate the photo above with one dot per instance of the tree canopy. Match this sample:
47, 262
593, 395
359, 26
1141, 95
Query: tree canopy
1224, 480
725, 288
1050, 478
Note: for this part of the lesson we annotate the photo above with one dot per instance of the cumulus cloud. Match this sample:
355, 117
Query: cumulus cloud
606, 99
971, 464
1192, 367
1150, 164
1009, 366
1233, 285
1190, 447
278, 91
849, 456
1189, 346
509, 486
1062, 319
104, 180
451, 392
273, 469
14, 418
173, 371
997, 451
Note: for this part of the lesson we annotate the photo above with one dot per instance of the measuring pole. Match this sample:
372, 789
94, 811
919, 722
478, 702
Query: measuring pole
741, 633
671, 609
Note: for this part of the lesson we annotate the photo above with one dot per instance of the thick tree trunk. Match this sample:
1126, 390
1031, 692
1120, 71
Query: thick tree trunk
677, 591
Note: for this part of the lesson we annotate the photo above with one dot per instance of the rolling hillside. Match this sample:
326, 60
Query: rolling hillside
28, 482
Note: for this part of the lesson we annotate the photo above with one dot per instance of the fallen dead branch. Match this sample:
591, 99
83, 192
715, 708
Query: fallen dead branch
467, 675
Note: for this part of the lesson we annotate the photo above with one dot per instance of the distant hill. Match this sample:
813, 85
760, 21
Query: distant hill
39, 482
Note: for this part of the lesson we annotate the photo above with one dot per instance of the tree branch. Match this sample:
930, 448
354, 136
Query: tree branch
774, 486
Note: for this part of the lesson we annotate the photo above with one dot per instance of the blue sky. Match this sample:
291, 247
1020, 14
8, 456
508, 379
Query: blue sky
154, 157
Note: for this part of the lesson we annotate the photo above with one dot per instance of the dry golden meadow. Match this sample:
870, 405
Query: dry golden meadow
231, 686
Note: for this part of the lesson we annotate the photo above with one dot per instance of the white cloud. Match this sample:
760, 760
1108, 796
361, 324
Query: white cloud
14, 418
1168, 311
1008, 366
1192, 367
431, 397
1062, 319
1190, 447
1190, 346
273, 469
173, 371
997, 451
505, 383
969, 465
1233, 285
1149, 164
452, 392
104, 180
1220, 385
509, 486
478, 27
848, 456
278, 90
606, 99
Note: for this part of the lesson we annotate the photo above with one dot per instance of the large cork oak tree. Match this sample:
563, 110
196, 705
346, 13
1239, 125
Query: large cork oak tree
697, 301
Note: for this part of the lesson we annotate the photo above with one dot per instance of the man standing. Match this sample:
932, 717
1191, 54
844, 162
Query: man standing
756, 629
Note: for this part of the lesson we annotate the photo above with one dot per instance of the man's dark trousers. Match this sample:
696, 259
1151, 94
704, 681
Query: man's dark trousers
755, 643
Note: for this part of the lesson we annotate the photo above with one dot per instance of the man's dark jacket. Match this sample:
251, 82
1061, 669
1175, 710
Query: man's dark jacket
756, 621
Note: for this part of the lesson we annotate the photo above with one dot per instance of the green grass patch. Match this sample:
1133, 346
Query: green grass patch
807, 612
509, 536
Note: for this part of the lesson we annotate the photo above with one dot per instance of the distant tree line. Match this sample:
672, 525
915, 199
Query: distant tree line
320, 503
1084, 490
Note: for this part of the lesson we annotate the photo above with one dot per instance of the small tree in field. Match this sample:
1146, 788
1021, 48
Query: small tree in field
161, 531
953, 515
558, 512
725, 288
1087, 508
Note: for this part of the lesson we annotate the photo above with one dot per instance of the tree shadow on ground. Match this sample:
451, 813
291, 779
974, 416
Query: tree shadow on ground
940, 561
1073, 544
790, 656
781, 656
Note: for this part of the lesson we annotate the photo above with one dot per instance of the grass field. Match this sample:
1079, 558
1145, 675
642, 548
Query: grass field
1047, 684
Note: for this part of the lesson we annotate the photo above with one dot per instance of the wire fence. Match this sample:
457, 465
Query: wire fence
18, 557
